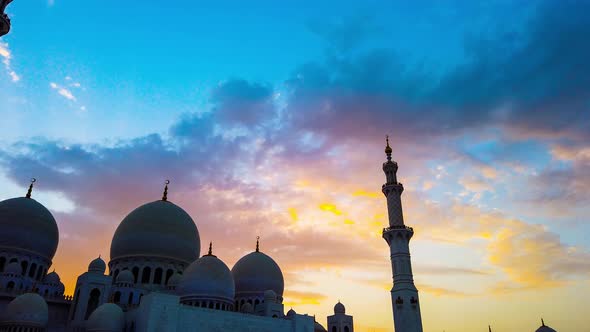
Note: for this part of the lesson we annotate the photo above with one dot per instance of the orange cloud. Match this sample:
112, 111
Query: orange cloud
330, 208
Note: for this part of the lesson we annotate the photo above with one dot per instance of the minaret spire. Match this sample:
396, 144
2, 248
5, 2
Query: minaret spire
30, 191
404, 294
542, 322
489, 328
165, 195
210, 248
258, 244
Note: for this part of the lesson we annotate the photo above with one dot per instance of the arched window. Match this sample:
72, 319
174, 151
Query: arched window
10, 285
117, 297
210, 305
93, 301
334, 329
130, 300
2, 263
257, 302
346, 329
217, 306
115, 275
169, 274
39, 273
24, 265
158, 276
33, 270
145, 275
135, 273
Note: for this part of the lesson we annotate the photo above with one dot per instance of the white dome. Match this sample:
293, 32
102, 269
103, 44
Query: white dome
52, 278
247, 308
125, 277
207, 277
256, 273
28, 309
28, 225
107, 318
159, 229
97, 265
175, 279
339, 308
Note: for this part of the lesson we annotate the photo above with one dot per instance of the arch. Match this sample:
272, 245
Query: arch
39, 273
169, 274
346, 329
33, 270
24, 265
115, 274
210, 305
130, 299
257, 302
217, 306
145, 275
158, 276
2, 263
10, 285
334, 329
117, 297
135, 272
275, 316
93, 301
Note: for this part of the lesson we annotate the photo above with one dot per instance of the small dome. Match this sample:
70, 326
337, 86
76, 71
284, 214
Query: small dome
247, 308
13, 268
52, 278
207, 277
97, 265
317, 327
270, 296
125, 277
28, 225
28, 310
107, 318
339, 308
291, 313
256, 273
175, 279
545, 328
157, 229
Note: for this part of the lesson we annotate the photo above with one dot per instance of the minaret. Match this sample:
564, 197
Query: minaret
404, 295
4, 19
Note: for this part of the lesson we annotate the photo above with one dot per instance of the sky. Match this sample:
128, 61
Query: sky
269, 119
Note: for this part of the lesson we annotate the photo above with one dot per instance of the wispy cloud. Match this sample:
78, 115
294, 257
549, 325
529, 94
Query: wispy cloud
6, 55
63, 91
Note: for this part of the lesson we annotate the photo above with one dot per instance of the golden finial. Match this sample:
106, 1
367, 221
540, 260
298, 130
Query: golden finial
165, 196
258, 244
210, 248
30, 191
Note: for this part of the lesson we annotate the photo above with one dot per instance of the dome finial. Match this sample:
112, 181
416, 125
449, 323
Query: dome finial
165, 195
388, 149
489, 328
542, 322
210, 248
30, 191
258, 244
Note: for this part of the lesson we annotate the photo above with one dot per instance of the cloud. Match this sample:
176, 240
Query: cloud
295, 298
64, 92
6, 56
238, 101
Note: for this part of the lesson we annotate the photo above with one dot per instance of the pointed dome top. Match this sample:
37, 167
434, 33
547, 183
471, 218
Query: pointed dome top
97, 265
339, 308
544, 328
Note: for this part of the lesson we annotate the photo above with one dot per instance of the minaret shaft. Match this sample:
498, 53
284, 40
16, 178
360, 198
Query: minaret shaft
404, 294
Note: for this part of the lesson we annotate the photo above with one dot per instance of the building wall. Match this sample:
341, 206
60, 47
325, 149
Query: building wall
163, 312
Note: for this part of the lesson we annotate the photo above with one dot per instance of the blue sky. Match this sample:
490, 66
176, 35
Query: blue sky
274, 113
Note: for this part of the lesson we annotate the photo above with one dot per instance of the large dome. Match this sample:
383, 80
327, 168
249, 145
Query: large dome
107, 318
256, 273
28, 309
157, 229
207, 277
28, 225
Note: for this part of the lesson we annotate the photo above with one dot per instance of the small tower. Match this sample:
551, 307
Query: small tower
340, 321
4, 19
404, 295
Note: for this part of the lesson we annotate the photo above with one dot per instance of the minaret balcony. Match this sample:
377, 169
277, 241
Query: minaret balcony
4, 24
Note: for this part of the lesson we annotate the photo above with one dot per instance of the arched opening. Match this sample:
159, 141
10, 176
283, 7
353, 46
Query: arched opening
158, 276
39, 273
346, 329
145, 275
24, 265
130, 299
334, 329
210, 305
135, 272
257, 302
13, 260
217, 306
2, 263
10, 285
93, 301
117, 297
275, 316
169, 274
115, 275
33, 270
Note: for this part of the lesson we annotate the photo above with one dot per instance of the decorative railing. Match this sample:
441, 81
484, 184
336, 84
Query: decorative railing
12, 292
397, 227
